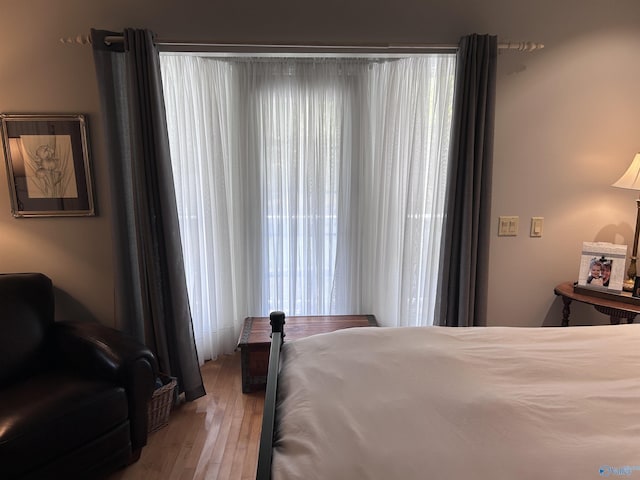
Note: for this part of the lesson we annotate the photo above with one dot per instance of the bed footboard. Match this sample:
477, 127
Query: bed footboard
269, 415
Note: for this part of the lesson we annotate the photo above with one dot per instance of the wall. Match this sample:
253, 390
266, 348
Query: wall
565, 126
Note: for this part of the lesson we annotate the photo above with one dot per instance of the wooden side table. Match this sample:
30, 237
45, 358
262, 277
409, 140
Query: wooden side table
618, 307
255, 340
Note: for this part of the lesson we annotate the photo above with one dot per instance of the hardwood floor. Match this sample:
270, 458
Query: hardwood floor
214, 437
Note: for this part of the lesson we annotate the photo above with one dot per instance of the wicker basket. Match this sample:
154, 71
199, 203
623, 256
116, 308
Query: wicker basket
161, 403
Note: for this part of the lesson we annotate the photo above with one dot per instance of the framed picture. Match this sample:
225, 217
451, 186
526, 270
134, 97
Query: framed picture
602, 266
47, 165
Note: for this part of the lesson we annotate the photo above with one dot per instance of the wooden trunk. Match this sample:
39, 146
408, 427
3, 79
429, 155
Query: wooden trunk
255, 340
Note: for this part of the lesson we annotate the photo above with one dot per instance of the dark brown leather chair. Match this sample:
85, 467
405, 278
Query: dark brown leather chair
73, 395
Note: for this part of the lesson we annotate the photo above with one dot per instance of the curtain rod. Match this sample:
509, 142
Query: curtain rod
171, 45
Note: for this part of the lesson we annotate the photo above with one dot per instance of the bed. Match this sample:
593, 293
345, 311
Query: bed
453, 403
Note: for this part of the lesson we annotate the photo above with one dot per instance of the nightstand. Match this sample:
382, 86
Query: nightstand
619, 307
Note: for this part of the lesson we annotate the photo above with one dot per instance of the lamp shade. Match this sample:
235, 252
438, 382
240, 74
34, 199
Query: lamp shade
631, 178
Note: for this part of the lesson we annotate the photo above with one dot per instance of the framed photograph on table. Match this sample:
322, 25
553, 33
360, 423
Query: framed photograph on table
602, 266
47, 159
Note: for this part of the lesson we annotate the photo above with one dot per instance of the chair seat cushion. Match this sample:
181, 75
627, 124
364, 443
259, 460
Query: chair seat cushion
53, 413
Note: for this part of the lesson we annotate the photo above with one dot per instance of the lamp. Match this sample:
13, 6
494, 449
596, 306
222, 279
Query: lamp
631, 180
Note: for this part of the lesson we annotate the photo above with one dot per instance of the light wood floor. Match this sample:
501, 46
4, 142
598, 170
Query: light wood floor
214, 437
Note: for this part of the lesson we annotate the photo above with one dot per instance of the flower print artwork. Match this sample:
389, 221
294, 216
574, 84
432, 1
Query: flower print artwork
48, 162
48, 169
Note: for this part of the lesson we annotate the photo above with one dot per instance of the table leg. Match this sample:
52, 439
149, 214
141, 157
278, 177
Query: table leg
617, 318
566, 311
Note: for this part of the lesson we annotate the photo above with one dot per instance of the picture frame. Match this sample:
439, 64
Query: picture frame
602, 266
47, 161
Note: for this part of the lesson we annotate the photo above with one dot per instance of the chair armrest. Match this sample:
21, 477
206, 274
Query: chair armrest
103, 352
97, 349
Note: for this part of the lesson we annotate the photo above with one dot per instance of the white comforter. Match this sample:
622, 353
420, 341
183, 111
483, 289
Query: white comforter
460, 403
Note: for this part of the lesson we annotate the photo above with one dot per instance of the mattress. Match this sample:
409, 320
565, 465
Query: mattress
460, 403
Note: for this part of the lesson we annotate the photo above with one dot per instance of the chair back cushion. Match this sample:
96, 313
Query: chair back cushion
26, 315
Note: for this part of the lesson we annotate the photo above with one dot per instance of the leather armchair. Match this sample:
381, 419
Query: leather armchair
73, 395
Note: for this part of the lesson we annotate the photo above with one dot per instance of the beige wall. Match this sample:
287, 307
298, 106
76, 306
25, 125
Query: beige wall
566, 122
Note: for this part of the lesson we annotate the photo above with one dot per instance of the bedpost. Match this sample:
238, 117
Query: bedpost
269, 415
276, 320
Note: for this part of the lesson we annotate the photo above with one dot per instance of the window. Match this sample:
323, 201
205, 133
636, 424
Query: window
309, 185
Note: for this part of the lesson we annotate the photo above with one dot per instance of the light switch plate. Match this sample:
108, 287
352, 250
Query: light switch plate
508, 226
537, 224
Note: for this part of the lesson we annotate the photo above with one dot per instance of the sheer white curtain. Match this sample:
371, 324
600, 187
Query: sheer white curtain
312, 186
404, 180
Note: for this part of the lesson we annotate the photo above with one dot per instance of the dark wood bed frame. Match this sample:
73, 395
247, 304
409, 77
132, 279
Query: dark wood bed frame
276, 319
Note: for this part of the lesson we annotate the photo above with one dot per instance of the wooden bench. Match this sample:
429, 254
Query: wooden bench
255, 340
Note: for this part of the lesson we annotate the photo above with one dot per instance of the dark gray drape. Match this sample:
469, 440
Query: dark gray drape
151, 293
462, 282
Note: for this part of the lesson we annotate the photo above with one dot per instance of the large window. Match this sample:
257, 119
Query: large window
309, 185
